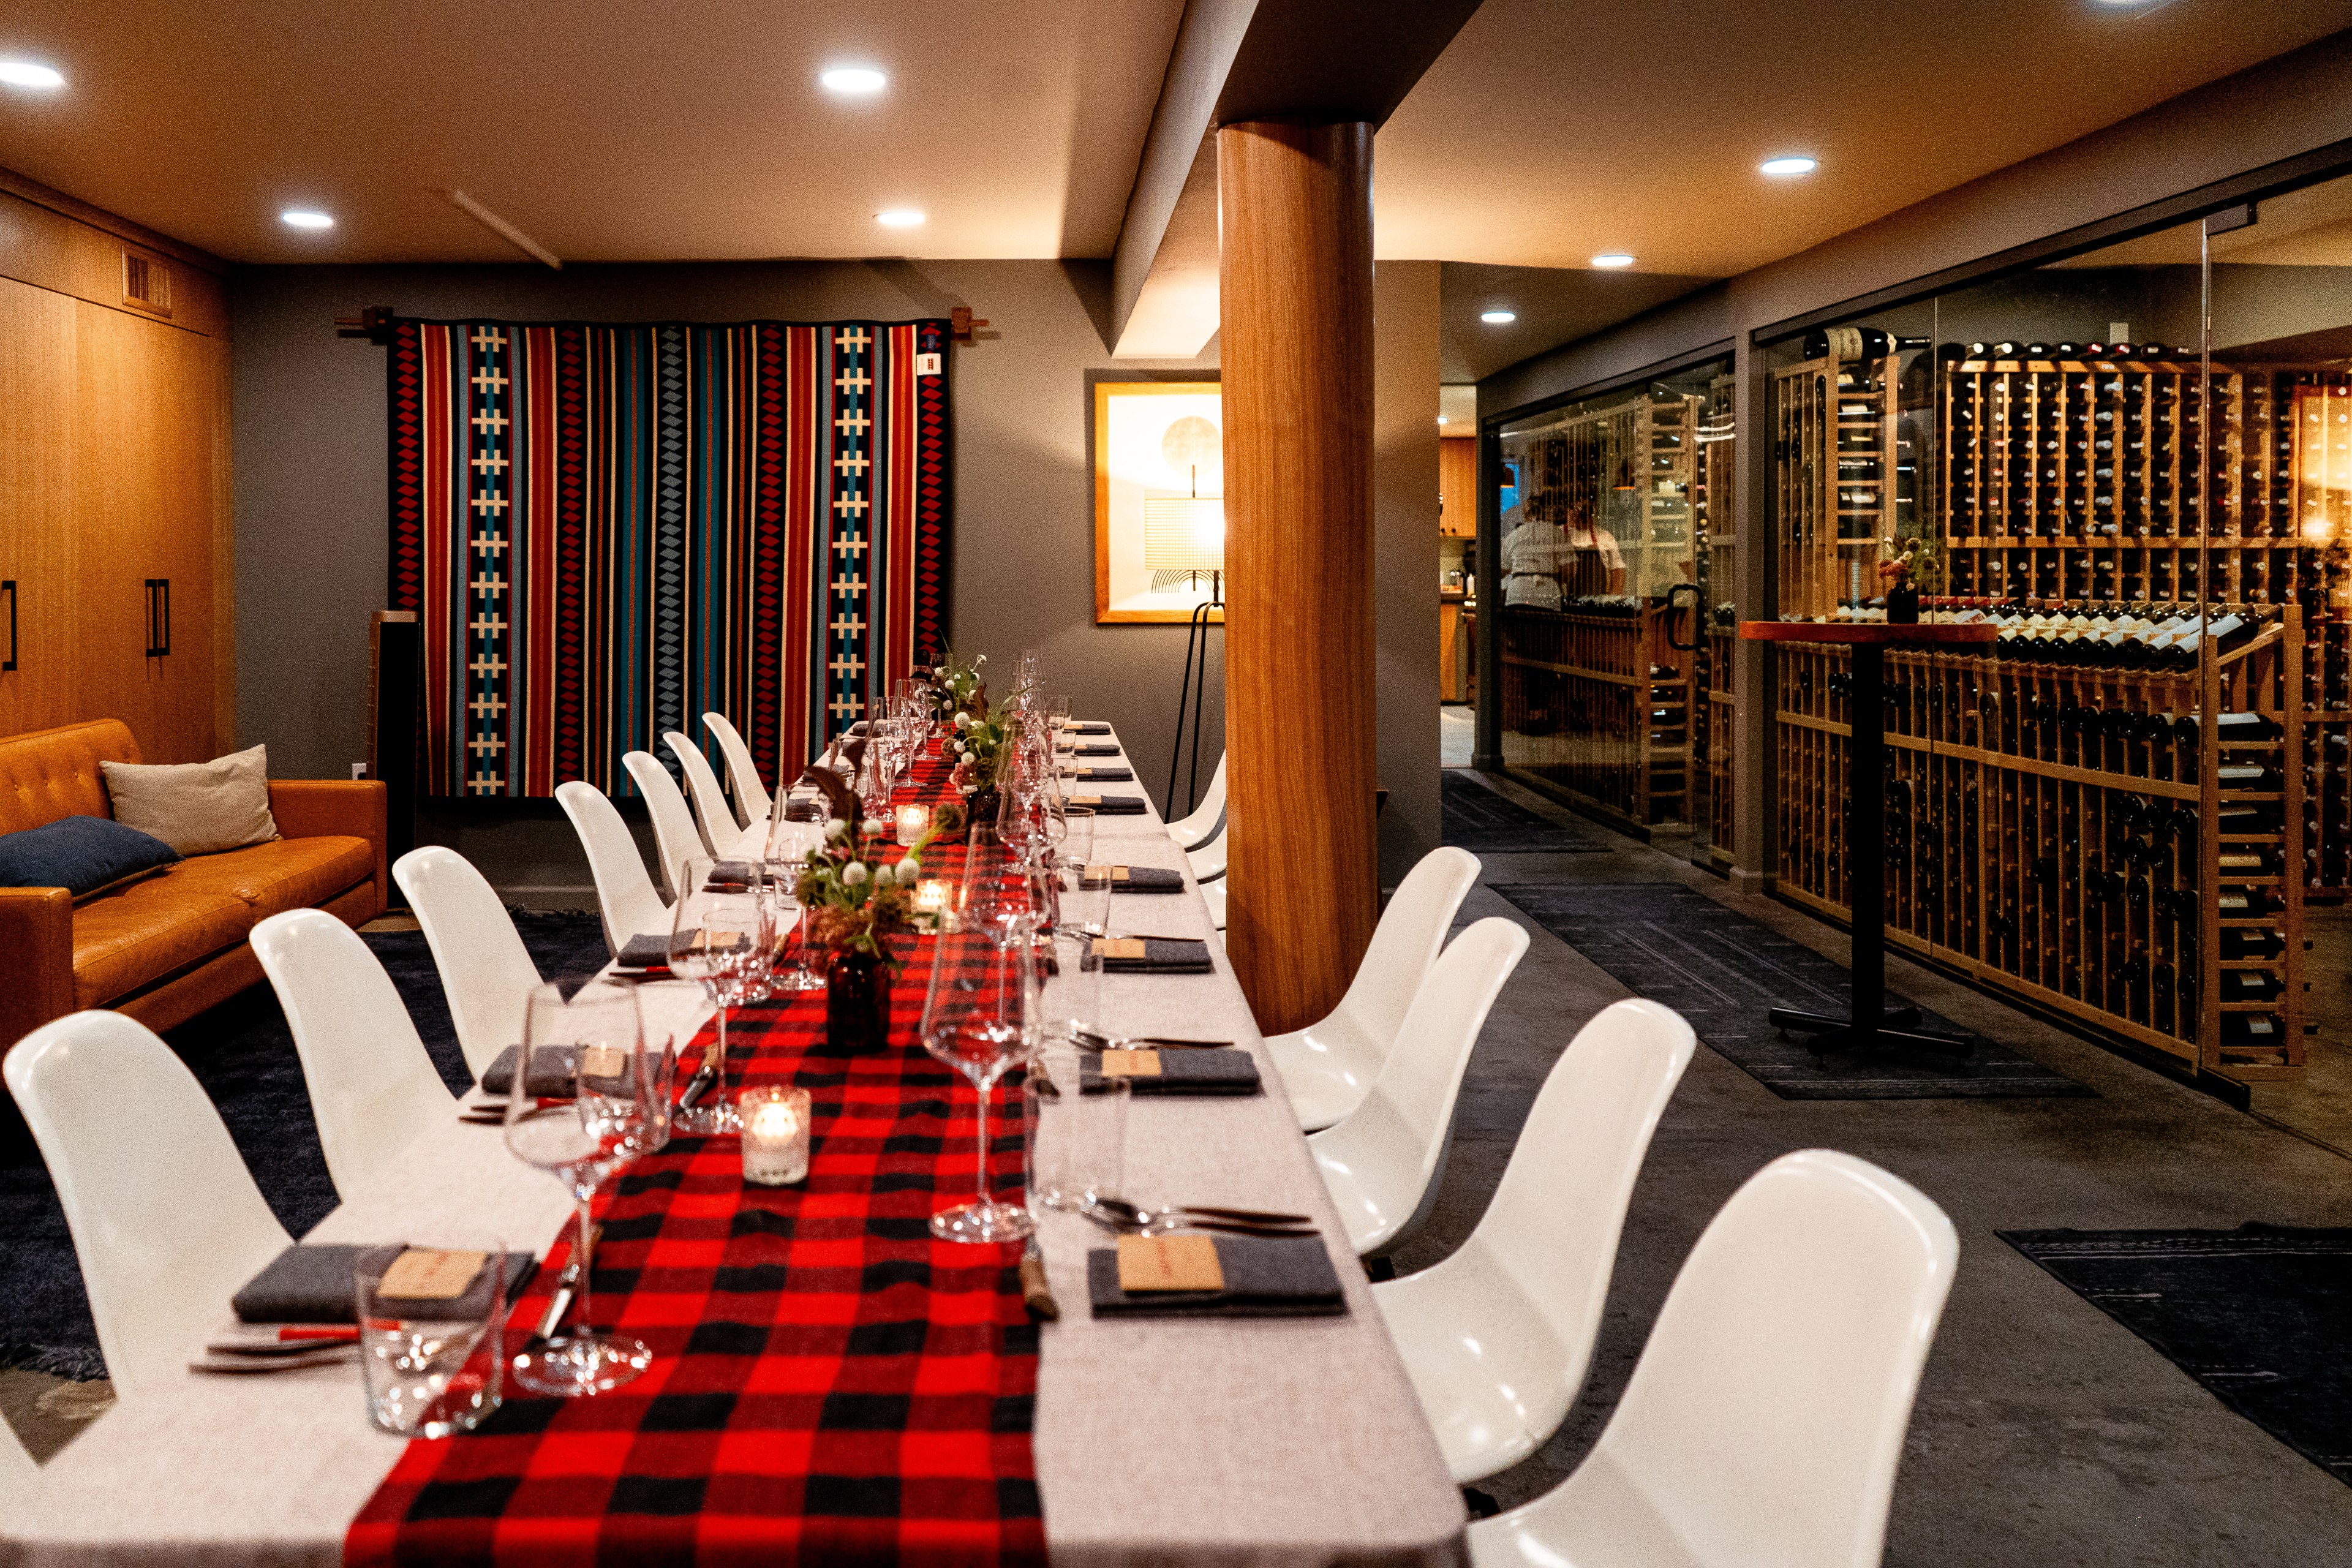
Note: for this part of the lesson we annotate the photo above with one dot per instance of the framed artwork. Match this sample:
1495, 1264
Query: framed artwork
1159, 509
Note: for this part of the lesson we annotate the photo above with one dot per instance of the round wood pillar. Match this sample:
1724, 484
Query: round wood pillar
1296, 265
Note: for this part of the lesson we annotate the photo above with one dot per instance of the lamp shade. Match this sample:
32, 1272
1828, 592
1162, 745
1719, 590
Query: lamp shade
1184, 533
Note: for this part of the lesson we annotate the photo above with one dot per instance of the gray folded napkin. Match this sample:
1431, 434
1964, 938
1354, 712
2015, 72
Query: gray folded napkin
1102, 776
1161, 955
554, 1073
1094, 751
312, 1284
1266, 1277
650, 950
1144, 880
1110, 805
1184, 1073
730, 877
1090, 729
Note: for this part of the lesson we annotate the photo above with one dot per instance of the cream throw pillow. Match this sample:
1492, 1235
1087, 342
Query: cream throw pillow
197, 808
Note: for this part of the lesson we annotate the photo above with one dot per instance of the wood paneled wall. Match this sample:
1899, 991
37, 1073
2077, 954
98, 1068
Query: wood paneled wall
113, 471
1457, 486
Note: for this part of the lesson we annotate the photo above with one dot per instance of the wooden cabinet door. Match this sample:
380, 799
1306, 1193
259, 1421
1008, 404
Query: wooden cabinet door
145, 473
36, 521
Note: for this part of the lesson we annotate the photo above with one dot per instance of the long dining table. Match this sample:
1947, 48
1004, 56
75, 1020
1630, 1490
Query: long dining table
1274, 1441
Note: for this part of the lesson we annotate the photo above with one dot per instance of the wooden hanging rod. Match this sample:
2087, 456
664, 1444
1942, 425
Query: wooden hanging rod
375, 324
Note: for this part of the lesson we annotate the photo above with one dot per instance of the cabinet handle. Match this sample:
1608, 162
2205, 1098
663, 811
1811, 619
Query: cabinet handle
159, 616
9, 588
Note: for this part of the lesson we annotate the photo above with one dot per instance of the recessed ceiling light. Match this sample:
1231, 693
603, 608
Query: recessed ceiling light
854, 81
24, 73
1613, 259
904, 217
296, 218
1497, 318
1786, 166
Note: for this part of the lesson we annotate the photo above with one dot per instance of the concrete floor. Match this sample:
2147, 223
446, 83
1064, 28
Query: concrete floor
2044, 1432
1457, 734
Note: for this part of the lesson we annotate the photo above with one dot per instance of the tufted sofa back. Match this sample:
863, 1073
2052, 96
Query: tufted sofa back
51, 774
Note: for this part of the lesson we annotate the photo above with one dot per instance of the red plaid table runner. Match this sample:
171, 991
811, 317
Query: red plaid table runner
830, 1383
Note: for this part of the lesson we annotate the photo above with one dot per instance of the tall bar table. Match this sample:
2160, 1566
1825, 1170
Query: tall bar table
1870, 1025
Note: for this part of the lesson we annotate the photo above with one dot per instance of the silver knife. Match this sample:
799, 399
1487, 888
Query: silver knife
567, 1284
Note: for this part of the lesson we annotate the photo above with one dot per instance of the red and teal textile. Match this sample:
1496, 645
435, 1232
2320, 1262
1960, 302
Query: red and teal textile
608, 530
831, 1384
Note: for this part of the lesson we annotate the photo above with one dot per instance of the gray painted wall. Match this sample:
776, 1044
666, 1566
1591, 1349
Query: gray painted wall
310, 454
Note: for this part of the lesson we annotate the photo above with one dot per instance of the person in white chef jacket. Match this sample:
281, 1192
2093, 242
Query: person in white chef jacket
1542, 562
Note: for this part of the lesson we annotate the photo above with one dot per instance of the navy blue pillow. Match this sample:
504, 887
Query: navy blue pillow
81, 854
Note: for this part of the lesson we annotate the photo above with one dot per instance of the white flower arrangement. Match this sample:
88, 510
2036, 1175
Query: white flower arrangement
854, 875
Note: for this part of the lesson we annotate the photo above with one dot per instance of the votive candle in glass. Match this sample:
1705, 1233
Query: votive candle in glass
775, 1135
933, 897
914, 821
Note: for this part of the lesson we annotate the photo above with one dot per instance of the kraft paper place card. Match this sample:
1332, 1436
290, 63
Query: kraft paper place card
1168, 1263
430, 1273
1127, 1063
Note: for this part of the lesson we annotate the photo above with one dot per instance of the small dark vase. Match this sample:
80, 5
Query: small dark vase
980, 805
857, 1003
1902, 604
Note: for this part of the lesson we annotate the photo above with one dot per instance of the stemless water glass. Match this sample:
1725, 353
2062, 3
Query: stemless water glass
721, 941
1076, 1146
436, 1367
796, 827
978, 1017
597, 1036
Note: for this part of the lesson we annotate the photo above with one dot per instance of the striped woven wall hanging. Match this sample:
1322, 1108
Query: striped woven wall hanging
609, 530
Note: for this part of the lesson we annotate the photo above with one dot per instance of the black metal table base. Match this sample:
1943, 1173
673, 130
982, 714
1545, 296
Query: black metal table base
1898, 1030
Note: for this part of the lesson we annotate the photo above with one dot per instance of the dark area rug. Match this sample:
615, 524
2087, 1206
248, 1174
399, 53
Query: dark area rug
243, 1054
2257, 1315
1723, 972
1485, 822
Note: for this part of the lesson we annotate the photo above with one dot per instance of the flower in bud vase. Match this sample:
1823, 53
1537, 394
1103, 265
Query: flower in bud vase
859, 891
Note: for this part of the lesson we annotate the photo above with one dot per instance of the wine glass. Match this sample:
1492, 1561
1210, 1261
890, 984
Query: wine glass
593, 1044
721, 941
797, 827
979, 1017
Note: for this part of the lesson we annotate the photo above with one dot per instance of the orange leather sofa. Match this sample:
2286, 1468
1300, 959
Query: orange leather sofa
165, 948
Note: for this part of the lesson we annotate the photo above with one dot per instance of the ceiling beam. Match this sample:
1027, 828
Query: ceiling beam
1308, 62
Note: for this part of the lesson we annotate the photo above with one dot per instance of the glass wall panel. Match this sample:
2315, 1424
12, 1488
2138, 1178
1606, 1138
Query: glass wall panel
2115, 809
1610, 511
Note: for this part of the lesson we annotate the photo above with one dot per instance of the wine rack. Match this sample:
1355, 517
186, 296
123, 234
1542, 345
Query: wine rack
2098, 480
2079, 838
1716, 713
1591, 713
1714, 620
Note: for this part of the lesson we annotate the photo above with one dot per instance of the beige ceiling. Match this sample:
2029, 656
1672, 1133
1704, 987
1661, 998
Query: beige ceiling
605, 130
1549, 132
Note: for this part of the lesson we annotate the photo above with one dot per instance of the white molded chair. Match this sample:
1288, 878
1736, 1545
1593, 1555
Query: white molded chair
1497, 1337
486, 971
712, 814
1214, 895
1206, 820
625, 895
1383, 1163
19, 1473
1764, 1422
1208, 863
1328, 1066
675, 838
166, 1220
751, 799
374, 1088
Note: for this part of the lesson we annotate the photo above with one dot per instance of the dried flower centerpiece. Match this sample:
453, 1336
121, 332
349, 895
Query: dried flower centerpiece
980, 745
957, 687
858, 888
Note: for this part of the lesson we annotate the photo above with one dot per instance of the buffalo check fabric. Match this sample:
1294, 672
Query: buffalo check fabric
830, 1383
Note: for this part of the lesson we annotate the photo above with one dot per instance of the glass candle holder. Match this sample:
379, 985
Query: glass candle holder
914, 821
933, 897
775, 1135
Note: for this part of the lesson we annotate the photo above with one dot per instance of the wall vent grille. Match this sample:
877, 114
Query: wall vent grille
146, 283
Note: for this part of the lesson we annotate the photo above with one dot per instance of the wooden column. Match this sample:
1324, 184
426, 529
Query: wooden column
1296, 266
